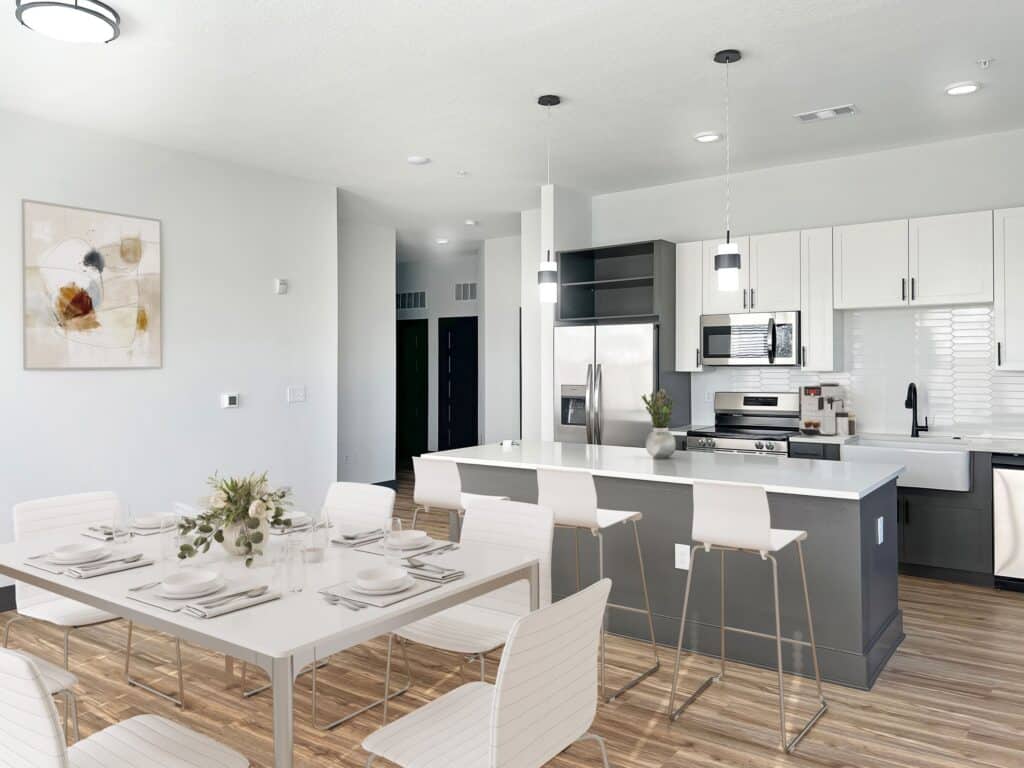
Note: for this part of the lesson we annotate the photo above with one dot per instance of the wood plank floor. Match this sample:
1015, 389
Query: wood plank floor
952, 697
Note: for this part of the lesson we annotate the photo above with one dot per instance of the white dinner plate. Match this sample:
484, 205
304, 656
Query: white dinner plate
407, 540
393, 590
386, 577
79, 554
189, 581
209, 589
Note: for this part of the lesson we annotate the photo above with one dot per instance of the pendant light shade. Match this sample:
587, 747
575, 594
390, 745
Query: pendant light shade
547, 272
70, 21
727, 267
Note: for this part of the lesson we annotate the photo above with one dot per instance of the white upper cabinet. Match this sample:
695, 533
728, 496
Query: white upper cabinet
775, 272
1008, 311
689, 291
951, 259
820, 324
871, 264
717, 301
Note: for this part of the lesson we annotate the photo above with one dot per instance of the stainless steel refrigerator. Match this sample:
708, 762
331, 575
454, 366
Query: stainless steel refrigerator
601, 371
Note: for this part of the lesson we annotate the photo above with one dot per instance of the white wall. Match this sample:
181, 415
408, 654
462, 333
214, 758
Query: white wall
500, 280
529, 257
438, 277
366, 343
947, 352
153, 436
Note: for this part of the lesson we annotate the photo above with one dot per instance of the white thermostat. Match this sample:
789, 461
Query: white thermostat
229, 400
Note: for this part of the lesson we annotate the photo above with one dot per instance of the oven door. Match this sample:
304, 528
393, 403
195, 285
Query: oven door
754, 338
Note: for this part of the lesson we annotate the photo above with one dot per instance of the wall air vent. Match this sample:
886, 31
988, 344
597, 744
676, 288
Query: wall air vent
411, 300
465, 291
828, 113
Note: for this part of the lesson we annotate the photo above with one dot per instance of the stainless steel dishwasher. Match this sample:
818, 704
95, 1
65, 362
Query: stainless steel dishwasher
1008, 521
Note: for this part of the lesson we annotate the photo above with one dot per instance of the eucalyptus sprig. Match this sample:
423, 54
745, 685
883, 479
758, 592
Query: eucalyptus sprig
659, 406
243, 501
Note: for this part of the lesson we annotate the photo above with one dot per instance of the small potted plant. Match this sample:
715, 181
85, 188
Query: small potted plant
239, 515
660, 442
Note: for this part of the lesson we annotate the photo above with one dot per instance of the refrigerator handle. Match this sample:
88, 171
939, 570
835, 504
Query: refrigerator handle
598, 416
588, 402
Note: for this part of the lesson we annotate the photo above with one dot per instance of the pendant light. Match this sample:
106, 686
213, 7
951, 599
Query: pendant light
70, 21
547, 272
727, 260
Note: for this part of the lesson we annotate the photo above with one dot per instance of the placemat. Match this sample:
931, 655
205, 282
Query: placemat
380, 601
378, 548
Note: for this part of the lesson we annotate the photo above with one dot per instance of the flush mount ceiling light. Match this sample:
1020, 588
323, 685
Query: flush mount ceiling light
417, 159
442, 241
547, 272
707, 137
471, 222
962, 89
461, 173
70, 21
827, 113
727, 260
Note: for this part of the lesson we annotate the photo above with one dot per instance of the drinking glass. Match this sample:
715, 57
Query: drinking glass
120, 527
317, 538
294, 564
169, 537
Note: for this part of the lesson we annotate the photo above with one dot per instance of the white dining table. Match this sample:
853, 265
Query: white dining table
283, 636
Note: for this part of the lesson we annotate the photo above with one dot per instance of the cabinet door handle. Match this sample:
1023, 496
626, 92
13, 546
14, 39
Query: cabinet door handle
999, 353
751, 298
744, 298
903, 289
913, 288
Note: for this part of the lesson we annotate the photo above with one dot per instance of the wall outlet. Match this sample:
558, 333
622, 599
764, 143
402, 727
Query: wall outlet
880, 530
280, 286
229, 400
683, 557
296, 394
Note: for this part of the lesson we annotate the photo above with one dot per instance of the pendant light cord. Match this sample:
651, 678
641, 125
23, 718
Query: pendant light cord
549, 143
728, 157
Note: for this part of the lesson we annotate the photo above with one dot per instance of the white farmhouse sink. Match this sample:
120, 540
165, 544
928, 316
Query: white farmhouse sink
939, 463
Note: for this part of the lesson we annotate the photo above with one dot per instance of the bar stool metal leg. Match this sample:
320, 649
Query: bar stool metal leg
721, 611
778, 653
673, 713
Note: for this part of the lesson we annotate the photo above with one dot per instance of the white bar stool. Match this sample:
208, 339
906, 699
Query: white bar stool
438, 484
736, 518
572, 496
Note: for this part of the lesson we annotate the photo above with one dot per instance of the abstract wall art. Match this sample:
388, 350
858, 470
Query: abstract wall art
92, 288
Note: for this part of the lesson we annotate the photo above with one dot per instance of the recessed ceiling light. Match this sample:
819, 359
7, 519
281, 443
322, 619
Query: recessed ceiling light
707, 137
962, 89
442, 241
417, 159
70, 21
471, 222
461, 172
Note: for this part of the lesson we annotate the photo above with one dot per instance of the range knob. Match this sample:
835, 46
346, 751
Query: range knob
703, 442
759, 445
711, 442
769, 446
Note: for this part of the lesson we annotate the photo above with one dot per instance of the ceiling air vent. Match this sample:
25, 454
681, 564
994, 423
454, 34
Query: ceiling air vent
828, 113
411, 300
465, 291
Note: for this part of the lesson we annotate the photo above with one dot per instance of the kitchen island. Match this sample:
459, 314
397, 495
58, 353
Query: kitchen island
847, 509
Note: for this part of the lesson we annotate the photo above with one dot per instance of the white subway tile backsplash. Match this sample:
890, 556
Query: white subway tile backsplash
948, 351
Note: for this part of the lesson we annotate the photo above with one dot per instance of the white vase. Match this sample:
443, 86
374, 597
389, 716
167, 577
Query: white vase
660, 443
231, 533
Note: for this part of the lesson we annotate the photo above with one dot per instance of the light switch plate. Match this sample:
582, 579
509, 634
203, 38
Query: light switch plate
280, 286
880, 530
683, 557
295, 394
229, 400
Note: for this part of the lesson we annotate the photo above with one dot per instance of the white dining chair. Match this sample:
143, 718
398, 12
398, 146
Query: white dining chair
480, 626
350, 508
542, 702
438, 485
737, 518
58, 682
30, 735
42, 519
572, 496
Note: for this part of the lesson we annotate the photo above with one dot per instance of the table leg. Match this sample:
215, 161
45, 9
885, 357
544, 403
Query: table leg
283, 680
535, 586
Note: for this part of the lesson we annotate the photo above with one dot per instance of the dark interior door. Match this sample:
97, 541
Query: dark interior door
412, 397
457, 382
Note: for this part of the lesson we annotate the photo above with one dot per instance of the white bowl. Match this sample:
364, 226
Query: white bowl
76, 554
386, 577
189, 581
407, 539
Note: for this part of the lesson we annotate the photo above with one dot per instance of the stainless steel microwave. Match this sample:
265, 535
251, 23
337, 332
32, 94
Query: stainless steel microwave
751, 338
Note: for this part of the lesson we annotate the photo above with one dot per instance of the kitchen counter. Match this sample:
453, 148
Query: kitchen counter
848, 510
778, 474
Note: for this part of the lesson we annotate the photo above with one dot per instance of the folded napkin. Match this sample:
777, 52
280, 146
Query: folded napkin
436, 576
202, 612
82, 572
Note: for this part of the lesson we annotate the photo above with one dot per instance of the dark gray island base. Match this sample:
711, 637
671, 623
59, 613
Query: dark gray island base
852, 580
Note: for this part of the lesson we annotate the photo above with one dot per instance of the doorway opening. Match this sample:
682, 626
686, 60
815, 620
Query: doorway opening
412, 392
457, 383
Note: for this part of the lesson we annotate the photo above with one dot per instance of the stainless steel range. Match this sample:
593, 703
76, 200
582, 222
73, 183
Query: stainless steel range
749, 422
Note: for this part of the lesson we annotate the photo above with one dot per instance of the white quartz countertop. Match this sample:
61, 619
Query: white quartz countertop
778, 474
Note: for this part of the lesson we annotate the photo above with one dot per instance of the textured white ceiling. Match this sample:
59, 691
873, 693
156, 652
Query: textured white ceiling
344, 90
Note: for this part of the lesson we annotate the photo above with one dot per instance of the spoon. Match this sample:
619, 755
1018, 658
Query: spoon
105, 563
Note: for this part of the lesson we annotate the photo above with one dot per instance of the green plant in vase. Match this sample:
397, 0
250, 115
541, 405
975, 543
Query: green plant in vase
239, 515
660, 442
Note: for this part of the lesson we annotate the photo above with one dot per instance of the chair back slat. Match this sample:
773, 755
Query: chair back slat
437, 484
570, 494
545, 694
43, 519
354, 507
731, 515
517, 527
30, 733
